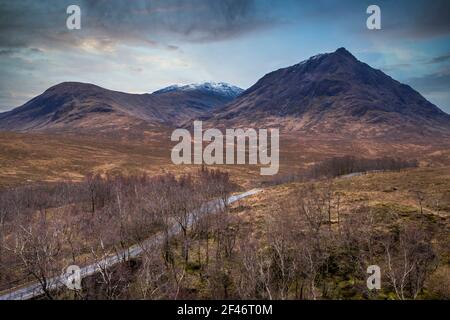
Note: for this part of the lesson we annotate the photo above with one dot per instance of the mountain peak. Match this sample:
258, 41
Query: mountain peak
214, 87
344, 54
343, 51
341, 54
68, 85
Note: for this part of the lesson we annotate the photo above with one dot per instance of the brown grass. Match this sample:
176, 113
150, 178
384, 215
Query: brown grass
30, 157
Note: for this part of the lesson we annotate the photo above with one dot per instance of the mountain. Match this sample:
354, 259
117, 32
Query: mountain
330, 94
334, 94
73, 106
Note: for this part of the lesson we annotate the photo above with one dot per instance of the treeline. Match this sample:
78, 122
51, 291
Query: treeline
339, 166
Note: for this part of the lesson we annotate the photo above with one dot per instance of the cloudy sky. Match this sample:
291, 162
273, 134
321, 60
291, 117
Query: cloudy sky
140, 46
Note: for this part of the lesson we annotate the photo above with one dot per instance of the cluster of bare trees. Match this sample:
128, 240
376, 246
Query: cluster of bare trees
311, 245
310, 248
46, 227
201, 240
313, 249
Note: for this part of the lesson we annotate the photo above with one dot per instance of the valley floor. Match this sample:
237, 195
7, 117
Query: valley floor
31, 157
294, 240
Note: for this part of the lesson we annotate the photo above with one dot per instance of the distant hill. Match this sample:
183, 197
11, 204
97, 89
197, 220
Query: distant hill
73, 106
334, 93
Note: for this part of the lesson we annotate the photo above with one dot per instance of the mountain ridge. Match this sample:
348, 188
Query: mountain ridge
76, 105
331, 94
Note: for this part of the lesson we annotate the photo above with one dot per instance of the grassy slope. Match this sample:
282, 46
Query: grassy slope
389, 191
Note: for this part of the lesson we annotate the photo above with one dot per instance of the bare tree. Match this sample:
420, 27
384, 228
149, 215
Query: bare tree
420, 196
409, 259
38, 248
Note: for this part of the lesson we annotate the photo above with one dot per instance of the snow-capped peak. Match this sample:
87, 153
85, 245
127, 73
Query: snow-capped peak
217, 87
316, 57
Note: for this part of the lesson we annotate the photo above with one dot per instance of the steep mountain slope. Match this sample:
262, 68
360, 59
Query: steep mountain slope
334, 94
72, 105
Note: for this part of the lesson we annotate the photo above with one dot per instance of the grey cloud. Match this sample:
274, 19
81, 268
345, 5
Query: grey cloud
27, 23
433, 19
440, 59
12, 51
185, 20
7, 52
435, 60
416, 19
436, 82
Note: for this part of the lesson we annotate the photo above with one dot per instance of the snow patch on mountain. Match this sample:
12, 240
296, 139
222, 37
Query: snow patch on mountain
215, 87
